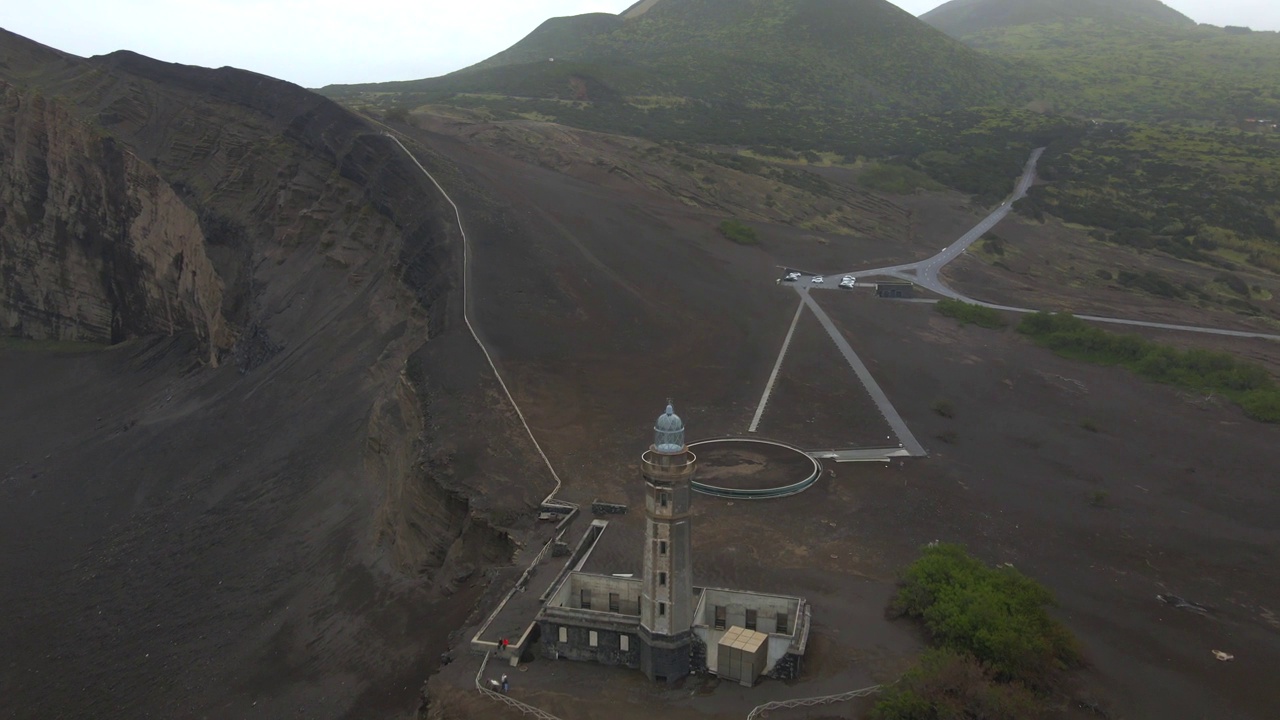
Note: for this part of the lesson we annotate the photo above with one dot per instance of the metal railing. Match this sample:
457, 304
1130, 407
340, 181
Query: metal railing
760, 710
524, 708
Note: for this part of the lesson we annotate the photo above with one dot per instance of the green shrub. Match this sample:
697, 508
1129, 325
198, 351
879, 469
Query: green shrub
739, 232
947, 684
967, 313
944, 408
997, 615
893, 178
1249, 385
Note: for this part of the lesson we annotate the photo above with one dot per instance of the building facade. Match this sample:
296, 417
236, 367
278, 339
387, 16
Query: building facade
660, 623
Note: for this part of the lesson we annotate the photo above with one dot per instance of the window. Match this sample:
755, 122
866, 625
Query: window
564, 634
624, 643
663, 498
593, 638
585, 600
662, 609
662, 547
751, 619
721, 612
782, 623
662, 578
615, 603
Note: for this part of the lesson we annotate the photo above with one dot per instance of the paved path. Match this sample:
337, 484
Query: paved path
773, 376
859, 454
890, 414
925, 272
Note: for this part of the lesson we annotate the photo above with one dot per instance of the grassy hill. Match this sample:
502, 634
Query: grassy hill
837, 55
1135, 59
962, 18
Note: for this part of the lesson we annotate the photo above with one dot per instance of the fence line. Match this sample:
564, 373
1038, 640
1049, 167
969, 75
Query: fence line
508, 700
760, 710
551, 498
466, 319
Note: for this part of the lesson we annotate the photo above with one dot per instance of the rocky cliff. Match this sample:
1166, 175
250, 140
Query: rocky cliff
141, 197
94, 245
240, 507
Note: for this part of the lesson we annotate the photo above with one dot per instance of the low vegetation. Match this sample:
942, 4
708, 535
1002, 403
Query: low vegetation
997, 650
1205, 195
944, 408
1247, 384
968, 313
1147, 72
948, 684
894, 178
739, 232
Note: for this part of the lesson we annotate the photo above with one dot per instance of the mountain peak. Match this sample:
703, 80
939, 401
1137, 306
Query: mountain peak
960, 18
776, 54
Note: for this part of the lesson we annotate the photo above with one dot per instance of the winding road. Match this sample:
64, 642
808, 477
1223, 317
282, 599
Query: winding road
925, 272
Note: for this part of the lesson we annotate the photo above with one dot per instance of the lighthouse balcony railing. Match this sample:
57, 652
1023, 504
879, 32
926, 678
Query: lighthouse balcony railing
658, 464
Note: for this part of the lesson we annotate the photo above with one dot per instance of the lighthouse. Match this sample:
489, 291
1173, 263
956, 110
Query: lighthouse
666, 601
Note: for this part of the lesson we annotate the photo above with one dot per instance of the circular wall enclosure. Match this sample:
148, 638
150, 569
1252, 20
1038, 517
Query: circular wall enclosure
752, 469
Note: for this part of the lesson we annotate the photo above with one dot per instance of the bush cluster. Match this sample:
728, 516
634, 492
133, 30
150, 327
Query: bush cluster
996, 615
948, 684
1249, 385
997, 653
967, 313
739, 232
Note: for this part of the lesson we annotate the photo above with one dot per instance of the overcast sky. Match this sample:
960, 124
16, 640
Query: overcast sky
317, 42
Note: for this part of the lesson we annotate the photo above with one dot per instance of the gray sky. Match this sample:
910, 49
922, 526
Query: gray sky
317, 42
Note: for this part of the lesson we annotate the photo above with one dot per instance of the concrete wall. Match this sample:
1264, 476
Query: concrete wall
767, 607
600, 586
666, 657
737, 602
577, 645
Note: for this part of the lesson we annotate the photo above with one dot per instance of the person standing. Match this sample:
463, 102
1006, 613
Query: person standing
505, 685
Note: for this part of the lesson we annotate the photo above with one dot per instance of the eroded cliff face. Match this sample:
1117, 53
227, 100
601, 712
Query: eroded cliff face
94, 245
261, 529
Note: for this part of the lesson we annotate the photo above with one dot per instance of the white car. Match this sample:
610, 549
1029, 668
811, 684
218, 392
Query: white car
792, 277
848, 282
817, 280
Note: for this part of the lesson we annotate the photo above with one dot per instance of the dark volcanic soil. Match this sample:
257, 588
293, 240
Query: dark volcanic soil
751, 467
1108, 489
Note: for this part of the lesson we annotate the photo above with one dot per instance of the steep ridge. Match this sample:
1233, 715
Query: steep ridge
247, 499
752, 53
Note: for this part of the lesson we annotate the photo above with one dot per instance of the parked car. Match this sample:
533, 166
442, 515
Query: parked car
792, 277
817, 279
848, 282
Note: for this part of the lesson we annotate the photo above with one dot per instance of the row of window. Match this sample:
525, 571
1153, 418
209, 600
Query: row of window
593, 639
751, 619
615, 601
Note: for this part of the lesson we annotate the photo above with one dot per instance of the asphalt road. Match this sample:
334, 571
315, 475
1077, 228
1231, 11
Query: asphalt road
925, 272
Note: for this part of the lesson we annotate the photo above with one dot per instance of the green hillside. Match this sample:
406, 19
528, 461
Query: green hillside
835, 55
1132, 59
962, 18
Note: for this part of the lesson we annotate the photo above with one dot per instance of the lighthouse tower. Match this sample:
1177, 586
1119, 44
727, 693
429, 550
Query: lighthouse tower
666, 602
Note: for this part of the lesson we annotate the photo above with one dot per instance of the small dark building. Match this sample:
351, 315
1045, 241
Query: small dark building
894, 289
